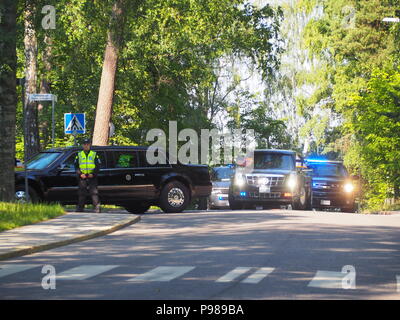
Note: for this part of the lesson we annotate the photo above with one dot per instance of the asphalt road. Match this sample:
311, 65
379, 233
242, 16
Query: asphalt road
248, 254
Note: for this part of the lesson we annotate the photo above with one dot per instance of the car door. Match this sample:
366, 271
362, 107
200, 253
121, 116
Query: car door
120, 185
63, 184
149, 176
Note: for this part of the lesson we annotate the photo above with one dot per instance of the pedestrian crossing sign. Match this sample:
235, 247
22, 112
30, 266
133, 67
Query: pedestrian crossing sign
74, 123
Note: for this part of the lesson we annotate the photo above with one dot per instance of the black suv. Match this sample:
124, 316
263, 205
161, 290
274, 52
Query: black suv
274, 181
332, 186
135, 186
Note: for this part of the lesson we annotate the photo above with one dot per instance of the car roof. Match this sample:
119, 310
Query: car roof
276, 151
77, 148
317, 161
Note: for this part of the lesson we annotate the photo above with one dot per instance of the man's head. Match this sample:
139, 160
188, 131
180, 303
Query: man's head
86, 145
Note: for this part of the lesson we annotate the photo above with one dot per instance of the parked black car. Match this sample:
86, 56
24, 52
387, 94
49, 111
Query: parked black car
137, 186
274, 181
332, 186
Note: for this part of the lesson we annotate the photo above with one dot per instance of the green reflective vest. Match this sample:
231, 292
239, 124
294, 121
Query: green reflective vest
87, 163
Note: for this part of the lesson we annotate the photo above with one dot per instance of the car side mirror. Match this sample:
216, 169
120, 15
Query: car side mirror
62, 167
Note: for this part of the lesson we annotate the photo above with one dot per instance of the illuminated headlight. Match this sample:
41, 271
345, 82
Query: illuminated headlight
239, 180
292, 182
348, 187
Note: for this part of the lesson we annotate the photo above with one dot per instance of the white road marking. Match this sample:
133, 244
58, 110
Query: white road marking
162, 274
84, 272
327, 279
232, 275
257, 276
8, 269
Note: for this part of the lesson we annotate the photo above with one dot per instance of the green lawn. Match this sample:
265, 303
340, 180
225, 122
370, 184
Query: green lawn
14, 215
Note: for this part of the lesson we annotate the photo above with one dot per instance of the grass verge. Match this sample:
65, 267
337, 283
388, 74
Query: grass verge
13, 215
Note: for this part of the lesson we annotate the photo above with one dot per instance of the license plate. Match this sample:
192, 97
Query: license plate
326, 202
264, 189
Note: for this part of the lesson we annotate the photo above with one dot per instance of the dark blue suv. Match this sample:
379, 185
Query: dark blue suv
332, 186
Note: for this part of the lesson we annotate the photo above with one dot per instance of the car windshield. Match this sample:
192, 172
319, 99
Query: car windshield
42, 160
221, 173
275, 161
327, 170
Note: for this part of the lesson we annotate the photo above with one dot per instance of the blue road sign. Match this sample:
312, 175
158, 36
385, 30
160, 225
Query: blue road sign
74, 123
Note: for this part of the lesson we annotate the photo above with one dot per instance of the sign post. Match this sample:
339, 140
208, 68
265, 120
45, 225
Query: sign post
47, 97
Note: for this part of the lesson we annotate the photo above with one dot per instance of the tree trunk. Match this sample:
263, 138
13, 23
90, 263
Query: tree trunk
45, 129
31, 127
107, 82
8, 98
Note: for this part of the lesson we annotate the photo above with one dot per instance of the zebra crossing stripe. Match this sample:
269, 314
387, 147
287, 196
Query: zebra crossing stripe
163, 274
232, 275
327, 279
257, 276
84, 272
9, 269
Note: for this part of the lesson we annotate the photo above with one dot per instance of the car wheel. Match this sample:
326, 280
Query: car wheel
310, 201
301, 203
234, 204
20, 194
203, 203
138, 208
350, 210
174, 197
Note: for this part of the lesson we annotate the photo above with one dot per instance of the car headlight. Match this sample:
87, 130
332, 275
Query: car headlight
348, 187
239, 180
292, 182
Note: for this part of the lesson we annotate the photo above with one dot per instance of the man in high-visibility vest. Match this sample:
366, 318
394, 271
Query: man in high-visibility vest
87, 165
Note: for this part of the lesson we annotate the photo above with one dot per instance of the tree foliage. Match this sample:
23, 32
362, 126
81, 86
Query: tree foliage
168, 65
353, 44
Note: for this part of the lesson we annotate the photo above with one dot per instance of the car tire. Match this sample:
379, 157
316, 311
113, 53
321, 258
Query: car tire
349, 210
174, 197
203, 203
138, 208
20, 194
301, 202
234, 204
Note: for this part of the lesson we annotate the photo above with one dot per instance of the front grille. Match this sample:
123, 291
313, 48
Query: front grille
271, 180
326, 186
220, 190
270, 195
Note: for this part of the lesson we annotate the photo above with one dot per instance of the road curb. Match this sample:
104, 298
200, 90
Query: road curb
25, 250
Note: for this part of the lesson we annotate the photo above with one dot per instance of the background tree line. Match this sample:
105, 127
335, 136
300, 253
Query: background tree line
356, 79
137, 64
317, 76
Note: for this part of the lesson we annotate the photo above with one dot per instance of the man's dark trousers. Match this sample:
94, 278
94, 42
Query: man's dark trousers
84, 184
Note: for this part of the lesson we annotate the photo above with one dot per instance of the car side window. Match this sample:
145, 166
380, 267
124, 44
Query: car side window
69, 164
102, 159
144, 163
125, 159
